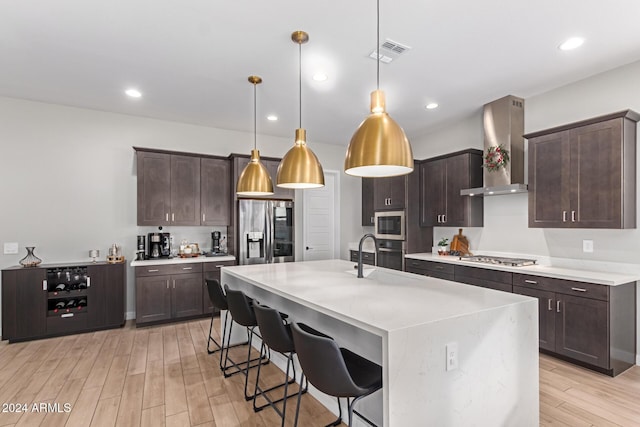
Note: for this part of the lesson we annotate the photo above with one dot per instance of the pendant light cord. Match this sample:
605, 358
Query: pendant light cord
300, 82
255, 126
378, 45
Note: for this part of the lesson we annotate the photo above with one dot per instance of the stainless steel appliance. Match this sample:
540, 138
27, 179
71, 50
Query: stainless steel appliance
265, 231
159, 245
512, 262
389, 225
215, 242
141, 251
390, 254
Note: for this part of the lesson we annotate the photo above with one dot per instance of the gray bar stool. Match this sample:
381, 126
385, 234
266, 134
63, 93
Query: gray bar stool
276, 335
334, 371
219, 301
241, 309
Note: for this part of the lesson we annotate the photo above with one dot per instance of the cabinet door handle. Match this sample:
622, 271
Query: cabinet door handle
444, 218
153, 271
203, 217
187, 268
67, 315
533, 282
220, 266
173, 217
174, 284
439, 267
373, 220
579, 289
558, 306
549, 303
166, 217
88, 282
439, 219
44, 285
167, 283
564, 216
573, 216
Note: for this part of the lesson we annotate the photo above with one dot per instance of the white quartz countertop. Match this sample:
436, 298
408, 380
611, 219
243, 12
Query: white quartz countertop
384, 301
178, 260
579, 275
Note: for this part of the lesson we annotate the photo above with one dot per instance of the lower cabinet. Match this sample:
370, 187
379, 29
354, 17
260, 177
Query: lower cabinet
439, 270
165, 292
586, 323
368, 258
60, 299
211, 270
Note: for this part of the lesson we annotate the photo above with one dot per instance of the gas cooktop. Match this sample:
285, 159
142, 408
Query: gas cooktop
511, 262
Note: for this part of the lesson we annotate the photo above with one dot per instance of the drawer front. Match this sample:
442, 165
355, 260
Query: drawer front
440, 275
567, 287
429, 266
73, 322
368, 258
215, 266
484, 283
483, 275
170, 269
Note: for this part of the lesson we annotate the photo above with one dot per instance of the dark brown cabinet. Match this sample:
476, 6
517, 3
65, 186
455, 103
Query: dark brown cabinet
368, 210
389, 193
368, 258
582, 175
441, 180
94, 298
211, 270
168, 189
438, 270
585, 322
486, 278
165, 292
215, 191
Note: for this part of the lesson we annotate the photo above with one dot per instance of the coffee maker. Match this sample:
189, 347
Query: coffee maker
141, 251
215, 242
155, 245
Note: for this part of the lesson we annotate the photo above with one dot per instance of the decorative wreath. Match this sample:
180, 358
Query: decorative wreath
496, 158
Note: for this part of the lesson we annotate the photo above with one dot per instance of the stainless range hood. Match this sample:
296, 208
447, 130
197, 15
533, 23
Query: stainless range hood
503, 123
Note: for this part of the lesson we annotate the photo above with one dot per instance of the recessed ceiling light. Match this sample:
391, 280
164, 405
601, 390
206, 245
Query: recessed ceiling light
272, 117
320, 77
572, 43
133, 93
431, 105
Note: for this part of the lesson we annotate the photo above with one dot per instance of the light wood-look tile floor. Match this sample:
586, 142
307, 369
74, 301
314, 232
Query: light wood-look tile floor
163, 376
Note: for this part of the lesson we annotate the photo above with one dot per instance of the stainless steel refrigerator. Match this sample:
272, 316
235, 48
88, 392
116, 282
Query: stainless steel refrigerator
265, 231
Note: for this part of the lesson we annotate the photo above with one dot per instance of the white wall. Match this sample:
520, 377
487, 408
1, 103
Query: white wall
505, 217
68, 179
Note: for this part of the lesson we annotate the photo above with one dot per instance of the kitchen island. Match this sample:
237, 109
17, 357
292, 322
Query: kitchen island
405, 322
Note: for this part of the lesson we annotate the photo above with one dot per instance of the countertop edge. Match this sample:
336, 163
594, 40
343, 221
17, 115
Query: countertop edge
169, 261
597, 277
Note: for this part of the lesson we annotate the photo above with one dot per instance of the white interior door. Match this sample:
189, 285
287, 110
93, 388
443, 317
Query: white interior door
320, 207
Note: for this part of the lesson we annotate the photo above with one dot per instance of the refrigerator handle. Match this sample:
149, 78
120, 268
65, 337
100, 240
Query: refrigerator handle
268, 255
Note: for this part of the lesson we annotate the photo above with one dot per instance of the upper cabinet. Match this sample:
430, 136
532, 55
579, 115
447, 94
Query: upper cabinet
389, 193
441, 180
272, 166
182, 189
368, 211
583, 175
215, 191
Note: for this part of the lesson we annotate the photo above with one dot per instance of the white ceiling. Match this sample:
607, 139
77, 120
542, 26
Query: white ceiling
191, 58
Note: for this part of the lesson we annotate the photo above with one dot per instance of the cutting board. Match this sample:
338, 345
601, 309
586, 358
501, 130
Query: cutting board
460, 243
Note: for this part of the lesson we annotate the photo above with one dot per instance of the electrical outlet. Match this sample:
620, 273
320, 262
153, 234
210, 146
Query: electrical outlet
10, 248
452, 356
587, 246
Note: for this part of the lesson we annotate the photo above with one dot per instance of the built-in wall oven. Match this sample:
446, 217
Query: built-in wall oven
391, 254
389, 225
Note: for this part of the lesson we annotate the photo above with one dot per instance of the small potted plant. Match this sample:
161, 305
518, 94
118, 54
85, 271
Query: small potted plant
442, 246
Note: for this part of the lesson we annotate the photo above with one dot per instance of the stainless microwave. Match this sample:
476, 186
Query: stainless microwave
389, 225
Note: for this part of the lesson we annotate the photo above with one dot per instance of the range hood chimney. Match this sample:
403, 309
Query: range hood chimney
503, 123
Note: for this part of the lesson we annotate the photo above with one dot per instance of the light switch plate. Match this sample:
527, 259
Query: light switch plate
452, 356
587, 246
10, 248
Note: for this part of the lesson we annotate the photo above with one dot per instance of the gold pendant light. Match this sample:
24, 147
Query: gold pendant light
379, 147
300, 168
254, 179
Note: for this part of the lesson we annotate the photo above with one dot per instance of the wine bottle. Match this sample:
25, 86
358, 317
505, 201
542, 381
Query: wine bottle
60, 304
60, 287
82, 302
71, 303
